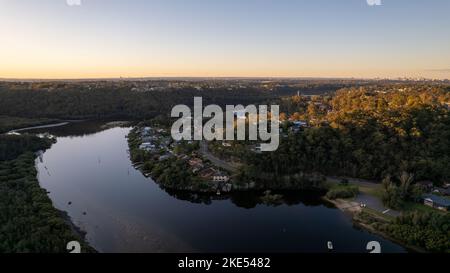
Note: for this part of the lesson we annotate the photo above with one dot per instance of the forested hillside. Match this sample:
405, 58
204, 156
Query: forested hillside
109, 103
367, 133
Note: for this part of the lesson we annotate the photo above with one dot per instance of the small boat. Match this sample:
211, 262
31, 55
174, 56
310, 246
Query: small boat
330, 245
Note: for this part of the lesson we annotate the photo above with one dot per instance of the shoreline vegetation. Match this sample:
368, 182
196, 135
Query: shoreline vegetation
29, 222
354, 209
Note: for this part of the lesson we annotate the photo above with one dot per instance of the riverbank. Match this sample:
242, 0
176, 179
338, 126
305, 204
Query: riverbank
360, 217
30, 222
24, 162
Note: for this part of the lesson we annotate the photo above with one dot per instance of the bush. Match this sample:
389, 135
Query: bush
429, 230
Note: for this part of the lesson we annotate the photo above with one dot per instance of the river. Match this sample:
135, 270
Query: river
89, 175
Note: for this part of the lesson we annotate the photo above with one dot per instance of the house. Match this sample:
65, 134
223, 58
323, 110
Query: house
146, 131
148, 139
195, 162
300, 123
164, 157
147, 146
442, 191
436, 202
221, 177
207, 173
297, 126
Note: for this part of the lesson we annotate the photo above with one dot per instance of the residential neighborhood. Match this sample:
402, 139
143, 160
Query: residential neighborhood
157, 143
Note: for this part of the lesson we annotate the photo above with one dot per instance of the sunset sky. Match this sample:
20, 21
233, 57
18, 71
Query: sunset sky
247, 38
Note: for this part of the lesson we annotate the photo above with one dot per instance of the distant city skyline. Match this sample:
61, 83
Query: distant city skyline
51, 39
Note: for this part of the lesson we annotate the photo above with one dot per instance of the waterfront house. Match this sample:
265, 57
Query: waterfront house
221, 177
207, 173
147, 146
436, 202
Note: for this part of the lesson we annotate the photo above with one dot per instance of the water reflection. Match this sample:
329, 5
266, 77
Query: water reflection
251, 199
90, 176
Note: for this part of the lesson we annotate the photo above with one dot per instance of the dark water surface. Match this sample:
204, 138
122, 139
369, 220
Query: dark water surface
123, 211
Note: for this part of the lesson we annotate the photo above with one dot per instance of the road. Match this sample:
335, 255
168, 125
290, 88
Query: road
215, 160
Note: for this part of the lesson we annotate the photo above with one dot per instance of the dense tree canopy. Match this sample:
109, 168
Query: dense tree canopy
369, 134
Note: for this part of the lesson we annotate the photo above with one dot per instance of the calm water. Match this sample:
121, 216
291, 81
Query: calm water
123, 211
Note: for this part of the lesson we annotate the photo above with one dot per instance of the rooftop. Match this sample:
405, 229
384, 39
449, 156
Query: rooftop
438, 200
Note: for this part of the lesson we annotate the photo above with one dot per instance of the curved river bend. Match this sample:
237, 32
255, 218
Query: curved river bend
88, 174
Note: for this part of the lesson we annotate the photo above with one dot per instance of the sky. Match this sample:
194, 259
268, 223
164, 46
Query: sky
224, 38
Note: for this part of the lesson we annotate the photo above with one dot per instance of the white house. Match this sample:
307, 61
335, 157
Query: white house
147, 146
221, 178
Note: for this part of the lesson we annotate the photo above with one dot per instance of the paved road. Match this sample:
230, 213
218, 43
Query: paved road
375, 204
215, 160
